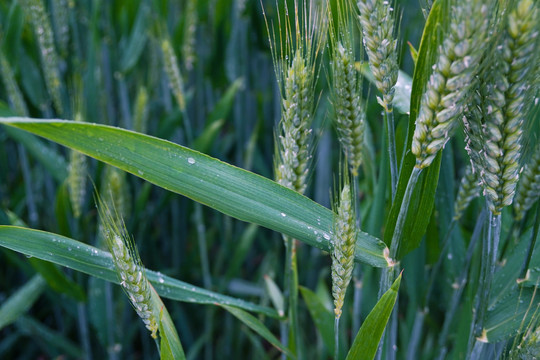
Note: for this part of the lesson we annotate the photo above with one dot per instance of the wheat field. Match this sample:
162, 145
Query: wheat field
298, 179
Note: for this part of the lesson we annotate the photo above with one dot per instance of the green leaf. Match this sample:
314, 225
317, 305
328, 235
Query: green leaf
18, 303
228, 189
52, 161
423, 197
53, 339
275, 295
367, 340
57, 280
137, 41
402, 96
170, 345
92, 261
256, 325
322, 317
512, 315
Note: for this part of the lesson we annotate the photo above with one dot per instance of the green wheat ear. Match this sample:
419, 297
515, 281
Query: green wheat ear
451, 81
49, 59
495, 124
469, 189
129, 268
77, 172
176, 83
529, 186
377, 19
349, 112
344, 241
295, 58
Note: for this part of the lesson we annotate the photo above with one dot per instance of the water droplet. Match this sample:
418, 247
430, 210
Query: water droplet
191, 160
140, 172
283, 214
326, 236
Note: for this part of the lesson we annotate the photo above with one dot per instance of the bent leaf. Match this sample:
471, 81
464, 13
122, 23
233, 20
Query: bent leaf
95, 262
226, 188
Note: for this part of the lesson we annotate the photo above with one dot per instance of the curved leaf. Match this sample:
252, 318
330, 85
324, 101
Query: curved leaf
226, 188
367, 340
93, 261
423, 197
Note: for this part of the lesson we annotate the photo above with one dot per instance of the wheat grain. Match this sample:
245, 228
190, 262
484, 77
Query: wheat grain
453, 75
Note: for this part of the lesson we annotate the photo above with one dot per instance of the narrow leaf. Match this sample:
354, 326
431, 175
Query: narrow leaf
18, 303
228, 189
322, 317
93, 261
423, 197
256, 325
171, 347
367, 340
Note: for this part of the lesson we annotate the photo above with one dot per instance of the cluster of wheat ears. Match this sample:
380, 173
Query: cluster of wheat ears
477, 76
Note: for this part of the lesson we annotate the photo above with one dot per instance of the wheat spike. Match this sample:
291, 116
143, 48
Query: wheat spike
13, 91
296, 68
450, 82
469, 189
529, 186
377, 20
49, 58
77, 177
349, 114
174, 75
129, 267
60, 10
190, 26
344, 242
495, 125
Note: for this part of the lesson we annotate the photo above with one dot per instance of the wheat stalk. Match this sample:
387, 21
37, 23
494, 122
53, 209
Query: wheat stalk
453, 75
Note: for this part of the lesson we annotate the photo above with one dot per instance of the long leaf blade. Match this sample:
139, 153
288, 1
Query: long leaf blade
93, 261
423, 197
256, 325
226, 188
367, 340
